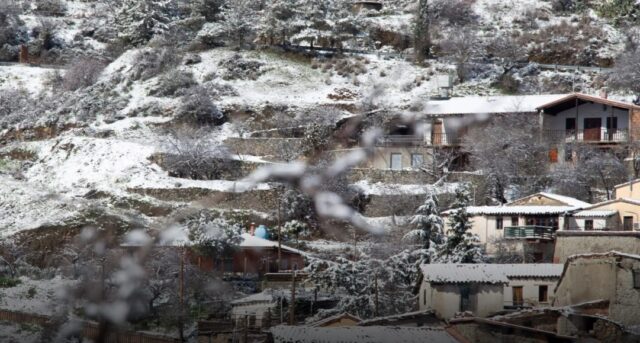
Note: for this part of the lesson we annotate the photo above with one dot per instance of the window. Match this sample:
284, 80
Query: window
424, 297
465, 303
543, 293
612, 123
627, 223
417, 160
570, 124
396, 161
636, 278
514, 221
499, 223
588, 224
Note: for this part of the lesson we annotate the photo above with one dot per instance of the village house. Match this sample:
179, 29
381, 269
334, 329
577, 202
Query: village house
576, 242
613, 278
485, 289
621, 214
446, 121
526, 226
581, 118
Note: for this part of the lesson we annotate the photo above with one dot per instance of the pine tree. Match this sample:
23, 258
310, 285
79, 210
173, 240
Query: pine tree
140, 20
427, 223
421, 31
461, 246
239, 18
278, 21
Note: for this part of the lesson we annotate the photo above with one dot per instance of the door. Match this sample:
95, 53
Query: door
592, 127
518, 298
396, 161
437, 134
627, 223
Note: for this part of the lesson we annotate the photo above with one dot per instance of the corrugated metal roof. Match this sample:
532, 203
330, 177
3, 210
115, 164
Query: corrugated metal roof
487, 273
359, 334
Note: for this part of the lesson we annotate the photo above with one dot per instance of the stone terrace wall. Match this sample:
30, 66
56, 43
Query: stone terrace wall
265, 146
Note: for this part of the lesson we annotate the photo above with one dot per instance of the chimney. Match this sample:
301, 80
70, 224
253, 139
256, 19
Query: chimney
603, 93
252, 229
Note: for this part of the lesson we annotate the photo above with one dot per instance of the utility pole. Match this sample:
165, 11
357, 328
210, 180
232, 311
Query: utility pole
246, 329
279, 231
376, 290
292, 305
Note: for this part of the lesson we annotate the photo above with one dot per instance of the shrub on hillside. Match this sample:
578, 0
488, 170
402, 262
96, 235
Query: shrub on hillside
83, 72
239, 68
152, 62
197, 109
174, 83
55, 8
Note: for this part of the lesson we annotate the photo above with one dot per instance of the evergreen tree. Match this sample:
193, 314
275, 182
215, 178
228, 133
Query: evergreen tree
461, 246
239, 18
140, 20
213, 237
422, 38
278, 21
427, 223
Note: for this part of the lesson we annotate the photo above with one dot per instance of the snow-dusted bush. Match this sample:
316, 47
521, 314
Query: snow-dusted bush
191, 156
213, 237
50, 7
238, 21
209, 9
219, 90
82, 72
239, 68
197, 109
626, 72
11, 31
153, 61
46, 38
174, 83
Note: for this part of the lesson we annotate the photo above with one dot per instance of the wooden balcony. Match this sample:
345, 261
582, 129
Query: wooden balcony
599, 135
529, 232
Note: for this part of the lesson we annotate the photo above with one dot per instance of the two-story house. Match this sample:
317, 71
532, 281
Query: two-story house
525, 225
619, 214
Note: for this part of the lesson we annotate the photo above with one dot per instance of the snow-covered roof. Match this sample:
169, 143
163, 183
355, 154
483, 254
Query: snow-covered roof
487, 273
389, 320
335, 318
595, 213
250, 241
565, 199
358, 334
521, 209
490, 104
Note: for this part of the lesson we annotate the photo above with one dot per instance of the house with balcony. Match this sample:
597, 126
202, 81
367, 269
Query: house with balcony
485, 289
524, 226
580, 118
443, 126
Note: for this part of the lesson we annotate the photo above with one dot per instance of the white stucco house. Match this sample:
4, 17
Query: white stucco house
485, 289
527, 224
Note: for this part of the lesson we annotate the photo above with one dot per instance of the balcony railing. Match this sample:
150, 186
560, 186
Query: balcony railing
434, 139
599, 135
529, 232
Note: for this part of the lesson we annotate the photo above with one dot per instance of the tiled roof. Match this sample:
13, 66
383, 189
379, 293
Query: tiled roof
595, 213
487, 273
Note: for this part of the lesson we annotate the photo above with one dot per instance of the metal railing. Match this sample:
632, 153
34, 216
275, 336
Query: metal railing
529, 232
434, 139
598, 135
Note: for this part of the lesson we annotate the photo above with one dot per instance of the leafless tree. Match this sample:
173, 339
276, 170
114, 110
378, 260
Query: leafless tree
510, 155
193, 156
626, 71
461, 47
83, 72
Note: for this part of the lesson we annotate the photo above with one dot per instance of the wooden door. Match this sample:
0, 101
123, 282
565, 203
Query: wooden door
437, 133
518, 296
627, 223
592, 128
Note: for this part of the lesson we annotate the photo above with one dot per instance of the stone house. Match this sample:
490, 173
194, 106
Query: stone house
526, 226
629, 189
612, 277
569, 243
485, 289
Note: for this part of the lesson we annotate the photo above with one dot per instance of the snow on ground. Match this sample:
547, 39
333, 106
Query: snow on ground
295, 82
35, 296
16, 333
380, 188
23, 76
26, 206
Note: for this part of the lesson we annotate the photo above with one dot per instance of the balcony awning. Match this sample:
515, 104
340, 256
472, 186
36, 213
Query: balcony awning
524, 210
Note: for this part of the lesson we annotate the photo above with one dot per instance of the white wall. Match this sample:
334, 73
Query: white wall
558, 122
530, 288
